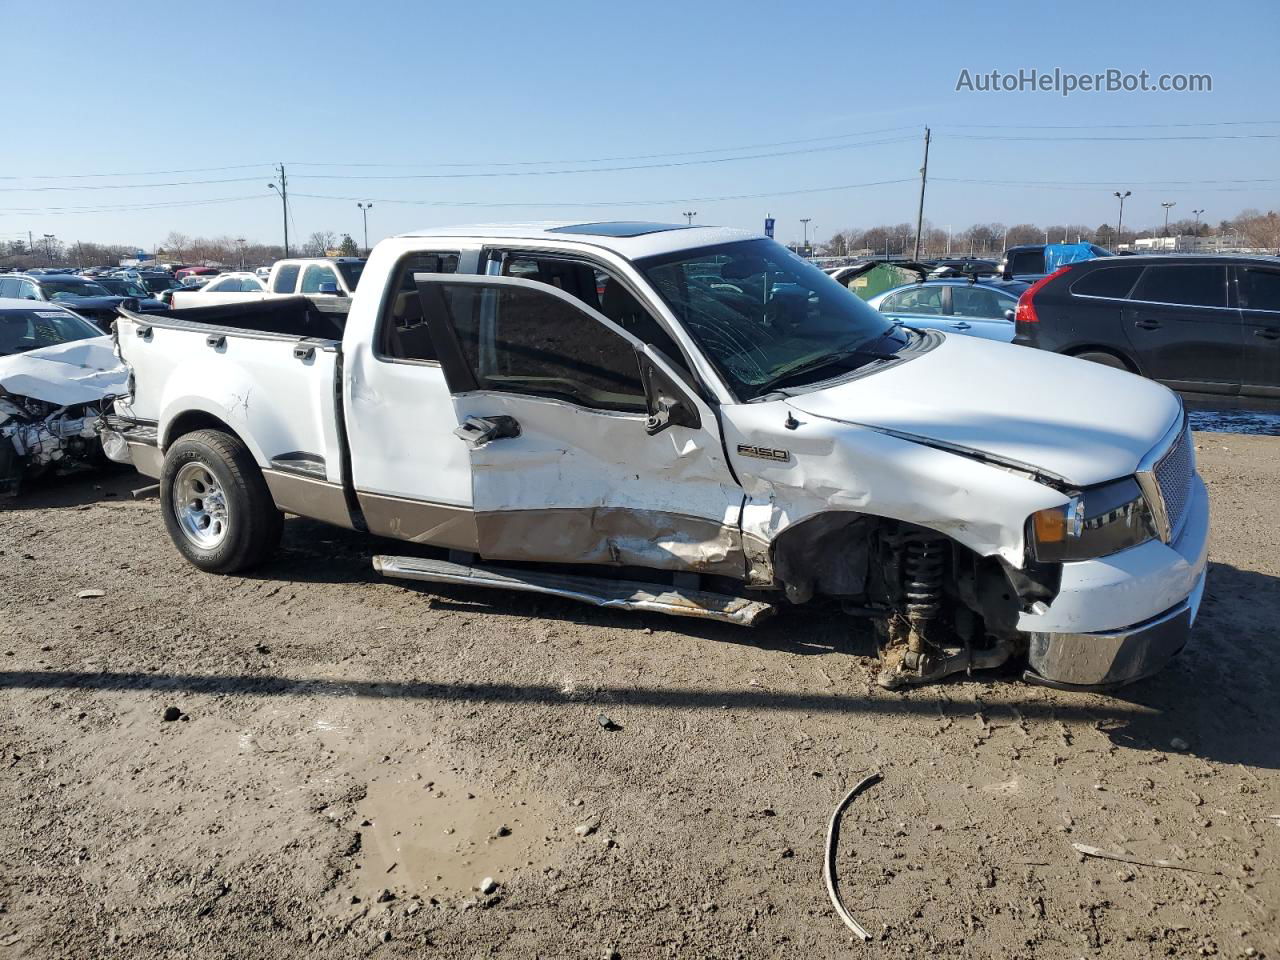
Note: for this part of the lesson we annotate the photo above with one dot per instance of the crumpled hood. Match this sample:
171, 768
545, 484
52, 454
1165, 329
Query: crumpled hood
82, 371
1080, 421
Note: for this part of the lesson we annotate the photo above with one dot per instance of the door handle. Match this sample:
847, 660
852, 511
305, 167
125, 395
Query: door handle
303, 351
961, 325
1267, 333
477, 431
1147, 324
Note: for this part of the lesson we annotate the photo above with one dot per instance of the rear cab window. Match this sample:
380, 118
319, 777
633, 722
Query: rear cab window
402, 330
286, 278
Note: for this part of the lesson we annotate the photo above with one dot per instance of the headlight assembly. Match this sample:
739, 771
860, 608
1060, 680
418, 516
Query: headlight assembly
1096, 522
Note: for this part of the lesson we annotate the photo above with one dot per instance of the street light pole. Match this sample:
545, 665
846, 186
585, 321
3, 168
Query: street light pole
1197, 213
364, 212
283, 189
1120, 219
240, 242
48, 246
805, 221
688, 216
1168, 205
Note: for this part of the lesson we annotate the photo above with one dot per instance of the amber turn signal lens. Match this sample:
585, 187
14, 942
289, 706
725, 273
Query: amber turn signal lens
1050, 525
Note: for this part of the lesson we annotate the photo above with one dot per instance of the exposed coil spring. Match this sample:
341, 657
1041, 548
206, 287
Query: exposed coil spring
923, 564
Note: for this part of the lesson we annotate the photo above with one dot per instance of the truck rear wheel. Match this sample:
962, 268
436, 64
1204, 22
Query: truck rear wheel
216, 505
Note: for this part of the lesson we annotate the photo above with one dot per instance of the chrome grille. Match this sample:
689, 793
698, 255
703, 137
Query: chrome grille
1174, 472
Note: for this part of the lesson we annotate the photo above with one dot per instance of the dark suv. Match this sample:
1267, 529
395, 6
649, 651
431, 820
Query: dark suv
1202, 325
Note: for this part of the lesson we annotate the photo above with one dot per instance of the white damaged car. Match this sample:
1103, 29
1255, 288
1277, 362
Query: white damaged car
57, 372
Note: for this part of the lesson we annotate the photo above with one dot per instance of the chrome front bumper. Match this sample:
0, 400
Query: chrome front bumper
1114, 657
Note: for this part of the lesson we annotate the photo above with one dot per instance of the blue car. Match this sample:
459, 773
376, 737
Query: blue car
976, 308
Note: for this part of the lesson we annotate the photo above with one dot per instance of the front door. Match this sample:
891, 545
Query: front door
1258, 291
584, 443
1182, 329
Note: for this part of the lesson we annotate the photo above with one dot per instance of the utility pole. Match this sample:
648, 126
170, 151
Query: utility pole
282, 188
924, 178
364, 211
240, 242
1198, 213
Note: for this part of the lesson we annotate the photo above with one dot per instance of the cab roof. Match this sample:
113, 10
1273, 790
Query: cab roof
632, 239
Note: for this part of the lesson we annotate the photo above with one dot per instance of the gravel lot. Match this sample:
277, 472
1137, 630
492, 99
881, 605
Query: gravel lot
341, 736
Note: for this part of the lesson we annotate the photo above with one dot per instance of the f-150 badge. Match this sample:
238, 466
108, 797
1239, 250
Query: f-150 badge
764, 453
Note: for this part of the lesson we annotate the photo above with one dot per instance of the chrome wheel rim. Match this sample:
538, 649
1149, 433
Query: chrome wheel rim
200, 506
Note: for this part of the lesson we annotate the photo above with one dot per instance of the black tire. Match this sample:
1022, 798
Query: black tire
1106, 359
243, 526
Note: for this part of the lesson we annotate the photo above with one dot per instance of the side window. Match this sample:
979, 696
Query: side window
1192, 284
286, 279
917, 300
223, 286
1260, 289
8, 288
600, 291
1112, 282
526, 341
403, 333
976, 302
28, 291
315, 275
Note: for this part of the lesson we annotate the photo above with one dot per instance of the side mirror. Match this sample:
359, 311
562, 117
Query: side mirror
1010, 315
330, 288
667, 402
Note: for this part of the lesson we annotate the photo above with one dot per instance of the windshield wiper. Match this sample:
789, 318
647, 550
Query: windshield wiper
826, 360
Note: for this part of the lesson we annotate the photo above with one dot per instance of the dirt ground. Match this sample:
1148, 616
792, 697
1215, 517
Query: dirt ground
341, 736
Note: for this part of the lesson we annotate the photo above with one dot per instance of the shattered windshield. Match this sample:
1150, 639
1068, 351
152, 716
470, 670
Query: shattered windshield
763, 315
23, 330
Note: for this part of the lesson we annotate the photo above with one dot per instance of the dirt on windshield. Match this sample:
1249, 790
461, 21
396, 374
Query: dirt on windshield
361, 767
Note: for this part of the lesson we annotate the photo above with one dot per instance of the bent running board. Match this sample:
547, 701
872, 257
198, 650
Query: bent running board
617, 594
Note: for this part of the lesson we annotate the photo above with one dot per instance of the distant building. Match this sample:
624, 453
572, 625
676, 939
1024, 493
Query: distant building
1185, 244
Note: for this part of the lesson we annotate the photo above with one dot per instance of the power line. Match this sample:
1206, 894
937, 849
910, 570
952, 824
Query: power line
143, 173
639, 156
1106, 126
126, 207
127, 186
572, 170
1204, 136
1095, 185
612, 203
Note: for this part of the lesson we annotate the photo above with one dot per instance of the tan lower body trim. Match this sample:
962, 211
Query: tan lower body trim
438, 524
308, 497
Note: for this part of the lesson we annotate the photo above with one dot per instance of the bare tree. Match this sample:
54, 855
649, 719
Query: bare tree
319, 242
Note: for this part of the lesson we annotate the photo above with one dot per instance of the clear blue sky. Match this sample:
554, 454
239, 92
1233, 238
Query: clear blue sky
413, 86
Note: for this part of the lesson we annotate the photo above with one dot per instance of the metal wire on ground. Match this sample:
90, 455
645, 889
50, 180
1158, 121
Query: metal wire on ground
829, 863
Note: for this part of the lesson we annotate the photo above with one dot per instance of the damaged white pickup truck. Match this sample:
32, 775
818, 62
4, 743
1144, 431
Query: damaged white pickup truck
690, 420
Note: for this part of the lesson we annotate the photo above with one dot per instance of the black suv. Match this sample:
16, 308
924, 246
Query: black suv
1202, 325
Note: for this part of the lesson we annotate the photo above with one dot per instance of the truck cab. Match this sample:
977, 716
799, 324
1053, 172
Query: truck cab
693, 420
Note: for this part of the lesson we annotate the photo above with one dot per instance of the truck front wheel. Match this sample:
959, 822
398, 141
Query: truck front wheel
216, 505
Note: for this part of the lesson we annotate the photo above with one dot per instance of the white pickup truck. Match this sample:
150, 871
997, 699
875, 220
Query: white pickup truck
311, 277
690, 420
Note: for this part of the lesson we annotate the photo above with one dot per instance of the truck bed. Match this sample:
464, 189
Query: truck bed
312, 318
